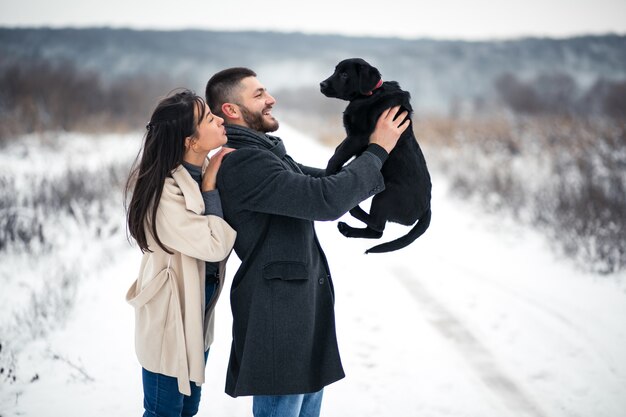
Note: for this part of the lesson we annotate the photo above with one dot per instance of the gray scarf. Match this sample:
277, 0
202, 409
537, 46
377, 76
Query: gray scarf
243, 137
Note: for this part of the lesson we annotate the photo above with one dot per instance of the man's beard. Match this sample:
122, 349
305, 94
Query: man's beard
257, 122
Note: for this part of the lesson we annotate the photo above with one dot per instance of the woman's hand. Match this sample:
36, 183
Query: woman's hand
388, 130
209, 178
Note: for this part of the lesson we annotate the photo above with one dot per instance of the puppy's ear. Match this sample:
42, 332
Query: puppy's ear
368, 78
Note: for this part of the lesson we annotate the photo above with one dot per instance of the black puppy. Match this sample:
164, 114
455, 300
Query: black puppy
406, 198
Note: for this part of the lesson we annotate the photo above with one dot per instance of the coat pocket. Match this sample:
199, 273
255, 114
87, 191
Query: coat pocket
286, 271
155, 320
138, 297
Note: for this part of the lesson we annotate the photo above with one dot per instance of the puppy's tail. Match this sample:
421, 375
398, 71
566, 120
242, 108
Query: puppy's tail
417, 230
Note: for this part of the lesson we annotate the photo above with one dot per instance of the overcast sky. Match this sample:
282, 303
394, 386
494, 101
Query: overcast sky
470, 19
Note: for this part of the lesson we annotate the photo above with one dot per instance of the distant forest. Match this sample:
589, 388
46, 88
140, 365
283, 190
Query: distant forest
94, 79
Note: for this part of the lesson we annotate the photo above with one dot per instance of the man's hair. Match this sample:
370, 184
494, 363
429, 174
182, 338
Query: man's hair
222, 87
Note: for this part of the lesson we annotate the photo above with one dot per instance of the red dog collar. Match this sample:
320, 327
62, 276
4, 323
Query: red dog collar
380, 82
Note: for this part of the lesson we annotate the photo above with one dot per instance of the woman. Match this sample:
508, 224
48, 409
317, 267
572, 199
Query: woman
175, 216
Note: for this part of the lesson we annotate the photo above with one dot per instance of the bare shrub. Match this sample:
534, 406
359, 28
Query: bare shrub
19, 230
519, 96
557, 93
7, 361
562, 174
46, 308
606, 97
38, 96
27, 221
39, 218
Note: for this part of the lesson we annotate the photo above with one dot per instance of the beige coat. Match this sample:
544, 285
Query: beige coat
171, 331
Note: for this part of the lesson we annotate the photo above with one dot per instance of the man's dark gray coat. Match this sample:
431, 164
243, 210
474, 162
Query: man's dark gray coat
282, 296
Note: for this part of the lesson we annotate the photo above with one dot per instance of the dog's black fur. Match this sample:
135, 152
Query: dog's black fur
406, 198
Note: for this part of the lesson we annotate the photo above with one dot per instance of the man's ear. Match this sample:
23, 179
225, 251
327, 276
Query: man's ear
231, 110
368, 78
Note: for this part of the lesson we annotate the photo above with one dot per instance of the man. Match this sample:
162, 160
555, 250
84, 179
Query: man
284, 349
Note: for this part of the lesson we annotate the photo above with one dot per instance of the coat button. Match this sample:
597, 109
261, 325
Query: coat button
321, 281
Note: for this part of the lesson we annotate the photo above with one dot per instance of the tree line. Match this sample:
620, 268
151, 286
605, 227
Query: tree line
38, 96
558, 93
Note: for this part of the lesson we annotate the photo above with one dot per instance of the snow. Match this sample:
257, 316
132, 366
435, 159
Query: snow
478, 317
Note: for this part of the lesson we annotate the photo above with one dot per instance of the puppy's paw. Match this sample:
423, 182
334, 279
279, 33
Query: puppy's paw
344, 229
332, 170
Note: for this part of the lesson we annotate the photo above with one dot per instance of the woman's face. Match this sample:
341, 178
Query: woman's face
210, 132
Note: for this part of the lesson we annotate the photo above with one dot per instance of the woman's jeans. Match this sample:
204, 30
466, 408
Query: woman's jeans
299, 405
161, 397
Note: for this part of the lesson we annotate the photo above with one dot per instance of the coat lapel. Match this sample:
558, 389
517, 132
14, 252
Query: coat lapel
189, 188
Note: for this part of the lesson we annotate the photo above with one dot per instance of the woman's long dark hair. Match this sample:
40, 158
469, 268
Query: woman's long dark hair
163, 148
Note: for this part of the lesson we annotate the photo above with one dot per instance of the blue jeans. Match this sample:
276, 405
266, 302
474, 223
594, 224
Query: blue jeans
298, 405
161, 397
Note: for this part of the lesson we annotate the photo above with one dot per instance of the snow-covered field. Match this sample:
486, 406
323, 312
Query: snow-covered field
477, 318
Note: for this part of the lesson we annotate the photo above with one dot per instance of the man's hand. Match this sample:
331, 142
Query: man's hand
388, 130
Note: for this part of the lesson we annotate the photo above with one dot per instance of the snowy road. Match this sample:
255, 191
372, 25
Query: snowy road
478, 357
477, 318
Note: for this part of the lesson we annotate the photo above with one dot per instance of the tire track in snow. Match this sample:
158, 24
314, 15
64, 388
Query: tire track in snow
474, 352
575, 332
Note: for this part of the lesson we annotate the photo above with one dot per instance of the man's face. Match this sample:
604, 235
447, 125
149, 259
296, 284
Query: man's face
255, 104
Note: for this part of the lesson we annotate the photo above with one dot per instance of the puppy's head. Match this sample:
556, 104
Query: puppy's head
352, 77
